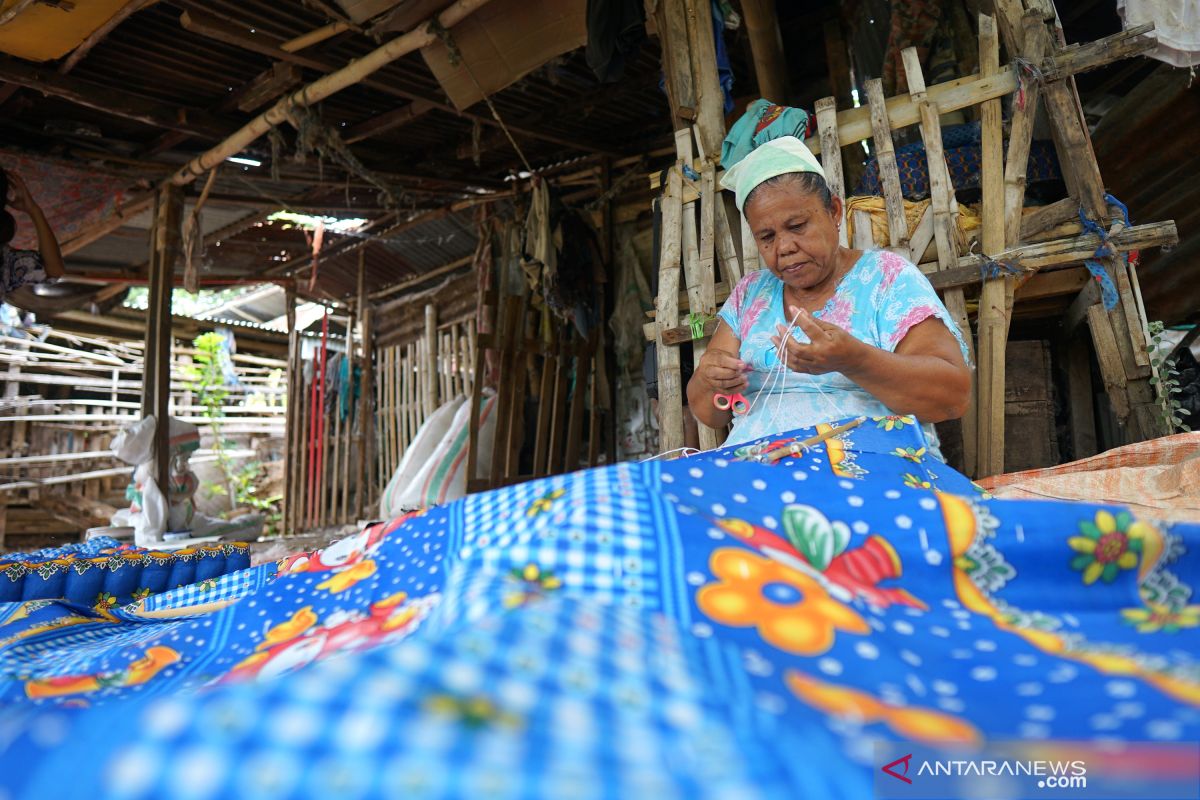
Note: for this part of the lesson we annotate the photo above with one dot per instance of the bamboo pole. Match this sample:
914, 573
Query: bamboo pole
992, 316
318, 90
430, 363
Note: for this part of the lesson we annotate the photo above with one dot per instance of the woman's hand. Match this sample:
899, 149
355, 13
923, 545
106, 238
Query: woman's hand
722, 371
830, 349
21, 199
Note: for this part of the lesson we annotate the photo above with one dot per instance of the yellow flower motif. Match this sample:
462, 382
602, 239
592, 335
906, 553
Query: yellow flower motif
893, 422
915, 455
1108, 545
534, 582
916, 482
1155, 618
544, 503
790, 610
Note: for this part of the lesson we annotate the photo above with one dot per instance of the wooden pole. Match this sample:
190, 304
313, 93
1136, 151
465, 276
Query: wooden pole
889, 172
431, 360
291, 426
334, 82
347, 477
831, 155
365, 418
993, 305
670, 392
766, 47
945, 226
156, 392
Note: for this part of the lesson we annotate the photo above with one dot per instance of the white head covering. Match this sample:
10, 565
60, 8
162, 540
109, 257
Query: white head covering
770, 159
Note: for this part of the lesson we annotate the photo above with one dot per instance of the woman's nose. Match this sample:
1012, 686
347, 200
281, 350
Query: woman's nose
788, 244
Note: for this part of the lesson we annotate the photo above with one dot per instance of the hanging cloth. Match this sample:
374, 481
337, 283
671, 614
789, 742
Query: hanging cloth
1176, 26
762, 122
616, 30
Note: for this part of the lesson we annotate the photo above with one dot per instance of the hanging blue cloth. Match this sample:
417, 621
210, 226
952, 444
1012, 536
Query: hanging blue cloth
762, 122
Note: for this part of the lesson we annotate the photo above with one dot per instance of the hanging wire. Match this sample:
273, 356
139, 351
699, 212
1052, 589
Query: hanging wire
441, 32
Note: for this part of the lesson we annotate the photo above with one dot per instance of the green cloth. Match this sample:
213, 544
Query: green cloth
770, 159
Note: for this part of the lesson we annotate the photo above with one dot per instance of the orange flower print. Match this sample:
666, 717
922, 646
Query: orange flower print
791, 611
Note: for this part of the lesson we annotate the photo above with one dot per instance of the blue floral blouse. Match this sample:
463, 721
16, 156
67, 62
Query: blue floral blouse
878, 301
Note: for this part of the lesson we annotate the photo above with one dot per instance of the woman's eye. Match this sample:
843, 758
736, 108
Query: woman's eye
798, 226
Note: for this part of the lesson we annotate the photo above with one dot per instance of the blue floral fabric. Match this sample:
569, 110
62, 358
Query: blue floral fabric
878, 301
107, 574
729, 625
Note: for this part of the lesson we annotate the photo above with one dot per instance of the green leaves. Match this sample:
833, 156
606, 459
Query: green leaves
813, 535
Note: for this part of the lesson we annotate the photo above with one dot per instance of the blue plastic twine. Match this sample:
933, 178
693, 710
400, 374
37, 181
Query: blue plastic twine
1108, 290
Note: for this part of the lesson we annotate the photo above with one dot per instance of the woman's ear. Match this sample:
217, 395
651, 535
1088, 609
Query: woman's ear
836, 207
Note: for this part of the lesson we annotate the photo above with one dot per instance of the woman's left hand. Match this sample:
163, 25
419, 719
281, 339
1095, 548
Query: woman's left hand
830, 349
21, 200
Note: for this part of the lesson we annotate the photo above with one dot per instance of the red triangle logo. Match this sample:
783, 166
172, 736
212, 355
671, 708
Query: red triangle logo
901, 776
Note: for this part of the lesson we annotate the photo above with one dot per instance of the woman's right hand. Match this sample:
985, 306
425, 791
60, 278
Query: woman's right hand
722, 371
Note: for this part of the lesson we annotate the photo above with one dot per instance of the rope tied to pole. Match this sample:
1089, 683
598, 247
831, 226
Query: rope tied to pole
1108, 289
1027, 72
456, 59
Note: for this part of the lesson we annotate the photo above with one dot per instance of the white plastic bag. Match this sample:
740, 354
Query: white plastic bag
416, 457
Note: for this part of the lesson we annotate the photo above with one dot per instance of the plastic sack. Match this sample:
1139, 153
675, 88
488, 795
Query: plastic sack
416, 456
443, 478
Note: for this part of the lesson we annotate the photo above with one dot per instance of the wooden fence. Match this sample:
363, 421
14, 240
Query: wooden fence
66, 397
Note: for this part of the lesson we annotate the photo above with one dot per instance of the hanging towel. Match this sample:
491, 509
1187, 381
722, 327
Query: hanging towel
1176, 26
762, 122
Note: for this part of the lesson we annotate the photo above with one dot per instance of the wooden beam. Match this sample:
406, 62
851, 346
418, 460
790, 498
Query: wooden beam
15, 10
389, 120
360, 69
115, 101
317, 91
268, 85
95, 37
316, 36
766, 47
436, 272
1058, 252
854, 124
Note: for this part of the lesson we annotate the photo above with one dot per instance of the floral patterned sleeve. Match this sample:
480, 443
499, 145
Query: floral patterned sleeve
906, 300
743, 307
21, 267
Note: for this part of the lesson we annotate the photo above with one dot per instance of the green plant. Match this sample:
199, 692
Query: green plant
1165, 381
207, 379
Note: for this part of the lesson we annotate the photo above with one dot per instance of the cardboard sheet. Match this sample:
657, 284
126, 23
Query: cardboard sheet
504, 41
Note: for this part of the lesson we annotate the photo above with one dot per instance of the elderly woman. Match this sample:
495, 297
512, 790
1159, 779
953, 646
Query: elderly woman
860, 333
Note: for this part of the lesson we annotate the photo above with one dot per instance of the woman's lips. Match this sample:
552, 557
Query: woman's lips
794, 268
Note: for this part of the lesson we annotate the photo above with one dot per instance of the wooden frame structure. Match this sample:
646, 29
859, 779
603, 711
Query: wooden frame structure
1036, 240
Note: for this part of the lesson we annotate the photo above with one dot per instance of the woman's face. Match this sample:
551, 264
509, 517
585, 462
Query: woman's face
797, 235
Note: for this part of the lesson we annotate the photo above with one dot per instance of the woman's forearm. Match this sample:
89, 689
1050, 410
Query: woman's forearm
927, 387
47, 244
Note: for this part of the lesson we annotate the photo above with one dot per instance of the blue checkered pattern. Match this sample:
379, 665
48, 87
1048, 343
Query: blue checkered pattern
706, 627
